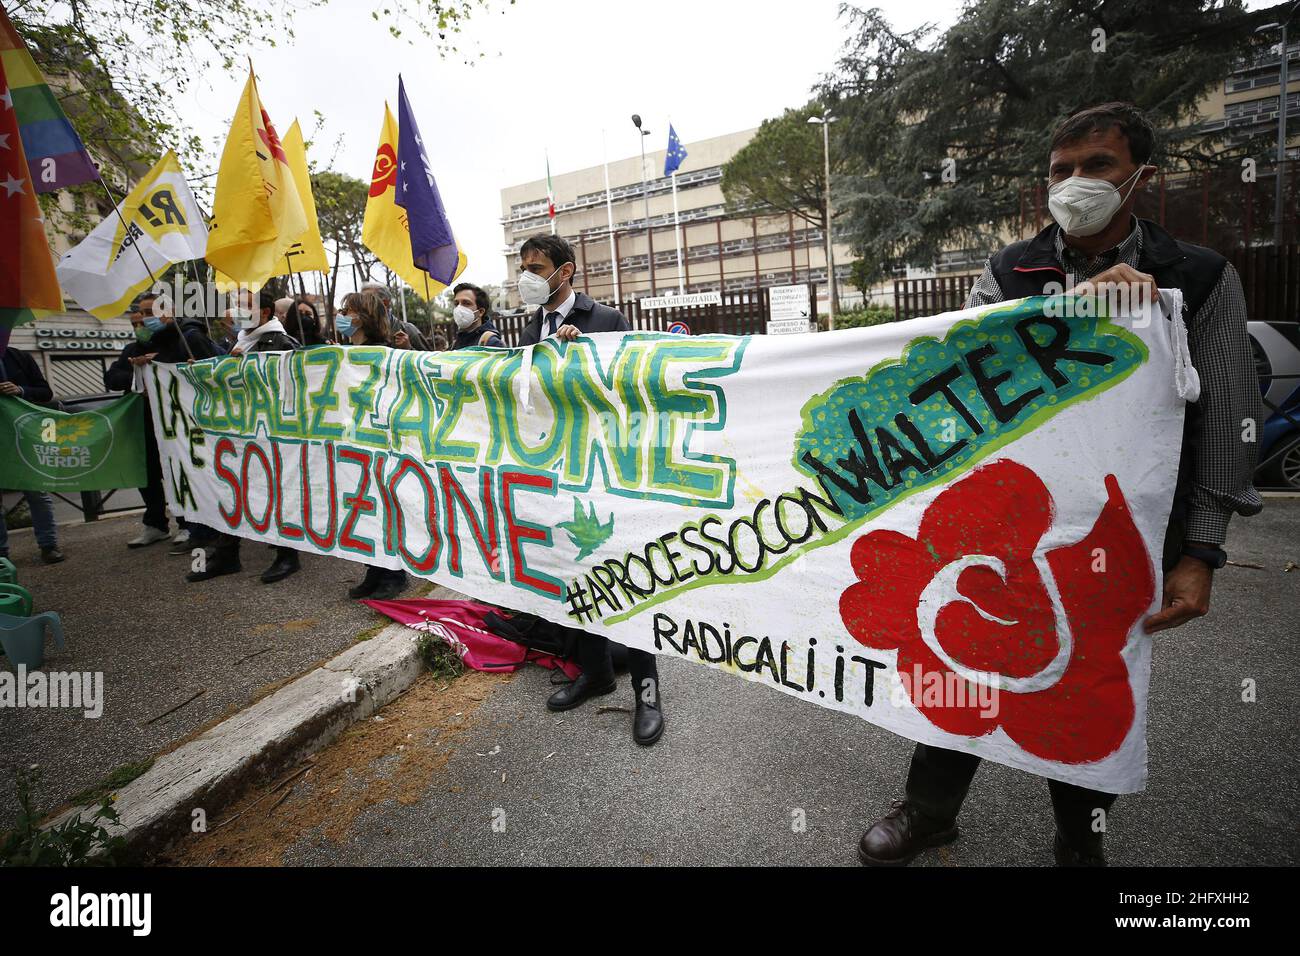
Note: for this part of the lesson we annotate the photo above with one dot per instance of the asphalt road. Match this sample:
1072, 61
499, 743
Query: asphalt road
740, 764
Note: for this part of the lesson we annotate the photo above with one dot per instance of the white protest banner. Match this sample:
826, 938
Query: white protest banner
950, 527
157, 224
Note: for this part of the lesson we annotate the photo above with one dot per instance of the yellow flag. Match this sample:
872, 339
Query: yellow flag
257, 213
385, 231
308, 253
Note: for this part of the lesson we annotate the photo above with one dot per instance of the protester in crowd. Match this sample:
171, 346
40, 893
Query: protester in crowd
1099, 160
548, 266
282, 307
225, 332
472, 313
364, 321
120, 377
261, 333
264, 332
304, 324
402, 335
439, 342
171, 342
21, 377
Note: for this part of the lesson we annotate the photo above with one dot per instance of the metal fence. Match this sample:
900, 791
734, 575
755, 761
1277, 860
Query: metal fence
739, 313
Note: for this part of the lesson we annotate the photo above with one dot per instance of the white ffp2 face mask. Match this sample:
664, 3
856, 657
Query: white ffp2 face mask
1083, 206
463, 316
533, 289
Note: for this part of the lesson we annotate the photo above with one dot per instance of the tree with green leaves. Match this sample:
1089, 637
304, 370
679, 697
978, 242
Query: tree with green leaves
118, 65
941, 132
340, 211
783, 168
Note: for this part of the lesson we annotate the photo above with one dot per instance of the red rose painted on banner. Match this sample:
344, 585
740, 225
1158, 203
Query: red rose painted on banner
967, 600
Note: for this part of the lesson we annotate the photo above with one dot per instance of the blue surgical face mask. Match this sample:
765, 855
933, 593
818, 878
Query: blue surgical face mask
343, 324
153, 324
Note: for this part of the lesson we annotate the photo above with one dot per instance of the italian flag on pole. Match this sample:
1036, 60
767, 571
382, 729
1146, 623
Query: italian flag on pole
550, 194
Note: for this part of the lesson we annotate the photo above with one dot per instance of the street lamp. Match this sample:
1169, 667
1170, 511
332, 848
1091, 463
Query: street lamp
645, 194
825, 121
1283, 82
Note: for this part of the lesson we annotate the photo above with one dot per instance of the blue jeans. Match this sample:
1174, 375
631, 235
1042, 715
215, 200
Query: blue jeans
42, 508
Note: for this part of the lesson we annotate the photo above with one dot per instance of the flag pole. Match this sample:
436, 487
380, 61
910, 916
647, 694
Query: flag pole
677, 233
302, 338
550, 195
126, 230
609, 212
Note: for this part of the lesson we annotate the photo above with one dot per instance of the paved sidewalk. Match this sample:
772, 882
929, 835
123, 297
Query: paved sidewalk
160, 642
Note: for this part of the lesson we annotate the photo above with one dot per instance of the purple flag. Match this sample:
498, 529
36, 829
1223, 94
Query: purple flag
433, 247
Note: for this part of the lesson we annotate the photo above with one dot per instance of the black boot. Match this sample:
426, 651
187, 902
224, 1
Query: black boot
285, 564
391, 584
1067, 855
648, 720
596, 679
901, 834
368, 584
223, 559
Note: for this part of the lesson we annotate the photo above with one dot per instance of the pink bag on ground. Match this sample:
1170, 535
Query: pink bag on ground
461, 624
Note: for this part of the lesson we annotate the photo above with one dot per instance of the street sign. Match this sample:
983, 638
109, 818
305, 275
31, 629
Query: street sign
789, 311
789, 327
789, 302
682, 301
679, 328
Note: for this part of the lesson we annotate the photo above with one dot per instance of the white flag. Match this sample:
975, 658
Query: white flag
159, 223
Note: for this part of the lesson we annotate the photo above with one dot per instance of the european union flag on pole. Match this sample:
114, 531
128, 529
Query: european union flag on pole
675, 154
433, 247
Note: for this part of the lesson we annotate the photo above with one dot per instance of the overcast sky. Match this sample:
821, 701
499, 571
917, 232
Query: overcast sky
554, 74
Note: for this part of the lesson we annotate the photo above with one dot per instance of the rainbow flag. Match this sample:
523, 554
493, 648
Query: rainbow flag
56, 156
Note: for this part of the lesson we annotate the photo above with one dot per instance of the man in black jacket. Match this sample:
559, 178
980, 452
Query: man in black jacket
267, 335
1099, 158
548, 268
472, 312
21, 377
160, 336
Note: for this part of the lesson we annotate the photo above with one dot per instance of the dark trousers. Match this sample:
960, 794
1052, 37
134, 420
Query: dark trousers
227, 545
595, 656
938, 780
155, 499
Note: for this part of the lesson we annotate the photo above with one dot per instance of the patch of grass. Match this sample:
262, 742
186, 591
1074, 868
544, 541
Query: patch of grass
374, 631
117, 778
439, 656
76, 842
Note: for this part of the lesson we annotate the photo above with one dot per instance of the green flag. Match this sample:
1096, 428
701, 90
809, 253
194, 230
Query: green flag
90, 450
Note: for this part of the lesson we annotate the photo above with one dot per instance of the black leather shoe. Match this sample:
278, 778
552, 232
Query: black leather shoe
51, 555
219, 563
583, 687
391, 584
1090, 855
285, 563
368, 584
901, 834
647, 723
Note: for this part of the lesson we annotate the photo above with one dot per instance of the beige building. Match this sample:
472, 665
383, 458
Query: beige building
719, 252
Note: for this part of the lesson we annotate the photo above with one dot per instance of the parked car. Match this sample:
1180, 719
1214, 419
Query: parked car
1276, 347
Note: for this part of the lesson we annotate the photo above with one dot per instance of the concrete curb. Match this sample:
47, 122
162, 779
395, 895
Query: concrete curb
254, 745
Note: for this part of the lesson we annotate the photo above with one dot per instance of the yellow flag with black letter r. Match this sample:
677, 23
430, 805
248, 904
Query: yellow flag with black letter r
157, 224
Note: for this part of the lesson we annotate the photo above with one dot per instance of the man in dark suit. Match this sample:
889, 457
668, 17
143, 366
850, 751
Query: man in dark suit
545, 282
